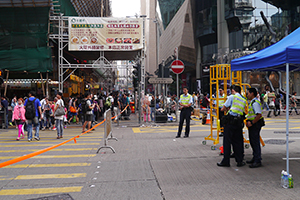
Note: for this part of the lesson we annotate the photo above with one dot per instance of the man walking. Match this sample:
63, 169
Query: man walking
4, 105
254, 124
233, 129
185, 103
87, 111
33, 112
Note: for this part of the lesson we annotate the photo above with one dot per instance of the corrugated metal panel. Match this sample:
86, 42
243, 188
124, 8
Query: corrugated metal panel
25, 3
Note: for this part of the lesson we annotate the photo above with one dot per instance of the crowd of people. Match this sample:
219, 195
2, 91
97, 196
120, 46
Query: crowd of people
56, 113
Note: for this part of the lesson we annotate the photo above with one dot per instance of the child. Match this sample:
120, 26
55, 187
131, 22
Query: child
19, 117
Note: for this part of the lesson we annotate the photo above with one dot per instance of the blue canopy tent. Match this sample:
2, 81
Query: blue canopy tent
281, 56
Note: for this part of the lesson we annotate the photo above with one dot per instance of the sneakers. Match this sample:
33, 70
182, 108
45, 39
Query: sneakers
18, 139
54, 129
43, 128
10, 123
37, 138
29, 140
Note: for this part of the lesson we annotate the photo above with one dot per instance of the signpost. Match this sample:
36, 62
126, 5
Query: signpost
177, 67
160, 80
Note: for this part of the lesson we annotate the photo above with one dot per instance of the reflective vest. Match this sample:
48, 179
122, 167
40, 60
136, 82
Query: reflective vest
185, 100
221, 102
251, 115
238, 105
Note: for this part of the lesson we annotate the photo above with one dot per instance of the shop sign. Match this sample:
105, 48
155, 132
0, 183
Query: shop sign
107, 34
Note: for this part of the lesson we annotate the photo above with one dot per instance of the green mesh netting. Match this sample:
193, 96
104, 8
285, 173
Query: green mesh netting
23, 39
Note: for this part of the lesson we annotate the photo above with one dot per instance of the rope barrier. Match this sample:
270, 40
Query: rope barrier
25, 157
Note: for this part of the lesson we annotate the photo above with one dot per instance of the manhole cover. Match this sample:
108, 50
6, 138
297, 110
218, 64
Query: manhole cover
55, 197
279, 142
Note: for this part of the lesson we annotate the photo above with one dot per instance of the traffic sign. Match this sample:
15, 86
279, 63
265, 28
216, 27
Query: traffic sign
160, 80
177, 66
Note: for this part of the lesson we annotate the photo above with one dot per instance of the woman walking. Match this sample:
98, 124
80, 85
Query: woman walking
59, 117
19, 117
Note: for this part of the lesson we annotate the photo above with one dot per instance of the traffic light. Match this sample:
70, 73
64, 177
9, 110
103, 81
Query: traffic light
136, 76
1, 77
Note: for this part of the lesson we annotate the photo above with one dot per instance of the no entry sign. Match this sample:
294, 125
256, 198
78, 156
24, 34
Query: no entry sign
177, 66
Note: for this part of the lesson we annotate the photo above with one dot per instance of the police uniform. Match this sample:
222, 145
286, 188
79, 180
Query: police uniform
221, 113
254, 130
233, 130
185, 114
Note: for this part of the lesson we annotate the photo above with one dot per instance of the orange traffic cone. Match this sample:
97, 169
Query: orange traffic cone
222, 150
208, 118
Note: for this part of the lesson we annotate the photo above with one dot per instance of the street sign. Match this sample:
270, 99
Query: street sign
160, 80
177, 66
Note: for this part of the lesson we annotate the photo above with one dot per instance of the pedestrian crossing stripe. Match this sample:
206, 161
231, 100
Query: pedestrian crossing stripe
40, 190
13, 141
161, 130
49, 165
49, 176
35, 144
52, 156
46, 176
33, 150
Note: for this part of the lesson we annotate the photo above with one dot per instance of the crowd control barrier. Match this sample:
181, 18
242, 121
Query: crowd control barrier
107, 132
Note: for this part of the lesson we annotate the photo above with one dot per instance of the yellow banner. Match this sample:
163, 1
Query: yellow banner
105, 34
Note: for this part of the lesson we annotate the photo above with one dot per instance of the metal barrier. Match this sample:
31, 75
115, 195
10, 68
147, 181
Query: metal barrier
107, 131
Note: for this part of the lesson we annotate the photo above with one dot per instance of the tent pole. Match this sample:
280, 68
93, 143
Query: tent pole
287, 116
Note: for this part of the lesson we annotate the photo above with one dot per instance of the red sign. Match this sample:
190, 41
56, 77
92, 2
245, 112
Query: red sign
177, 66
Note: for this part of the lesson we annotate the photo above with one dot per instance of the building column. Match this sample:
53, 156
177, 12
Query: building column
223, 34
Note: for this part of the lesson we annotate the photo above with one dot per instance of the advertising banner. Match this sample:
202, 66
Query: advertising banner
105, 34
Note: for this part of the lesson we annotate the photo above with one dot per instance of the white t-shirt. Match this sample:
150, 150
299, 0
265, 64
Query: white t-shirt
60, 103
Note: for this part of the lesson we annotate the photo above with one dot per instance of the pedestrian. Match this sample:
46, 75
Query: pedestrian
294, 103
43, 103
33, 112
146, 108
4, 105
59, 112
19, 117
87, 108
265, 99
14, 102
221, 102
185, 103
233, 127
47, 112
277, 105
116, 106
73, 110
254, 123
152, 108
52, 106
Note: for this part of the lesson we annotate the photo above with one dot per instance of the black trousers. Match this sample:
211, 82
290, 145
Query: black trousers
254, 137
233, 135
185, 114
221, 114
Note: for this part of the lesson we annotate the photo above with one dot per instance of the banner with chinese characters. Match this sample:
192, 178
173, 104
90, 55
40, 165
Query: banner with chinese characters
105, 34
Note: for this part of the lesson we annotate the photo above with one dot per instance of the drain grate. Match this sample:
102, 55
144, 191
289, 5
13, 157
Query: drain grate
278, 142
55, 197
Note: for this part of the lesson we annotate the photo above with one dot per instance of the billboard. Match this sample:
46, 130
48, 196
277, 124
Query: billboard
105, 34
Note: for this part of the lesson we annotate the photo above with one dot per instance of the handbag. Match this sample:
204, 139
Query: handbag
72, 109
60, 110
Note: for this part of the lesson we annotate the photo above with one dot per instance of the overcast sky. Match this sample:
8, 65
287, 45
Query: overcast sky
123, 8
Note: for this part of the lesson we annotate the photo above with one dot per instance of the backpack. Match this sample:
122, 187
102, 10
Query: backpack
204, 102
30, 109
84, 106
107, 102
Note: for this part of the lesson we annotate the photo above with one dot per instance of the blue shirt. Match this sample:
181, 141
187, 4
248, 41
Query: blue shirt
191, 98
229, 102
37, 104
256, 107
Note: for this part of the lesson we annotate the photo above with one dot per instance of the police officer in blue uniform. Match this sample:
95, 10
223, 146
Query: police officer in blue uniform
185, 103
233, 127
254, 123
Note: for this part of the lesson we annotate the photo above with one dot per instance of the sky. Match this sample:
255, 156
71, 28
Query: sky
123, 8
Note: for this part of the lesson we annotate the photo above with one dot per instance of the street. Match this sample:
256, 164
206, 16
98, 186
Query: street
149, 163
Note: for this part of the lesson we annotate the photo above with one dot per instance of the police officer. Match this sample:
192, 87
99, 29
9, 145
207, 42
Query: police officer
233, 129
221, 103
254, 124
185, 103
